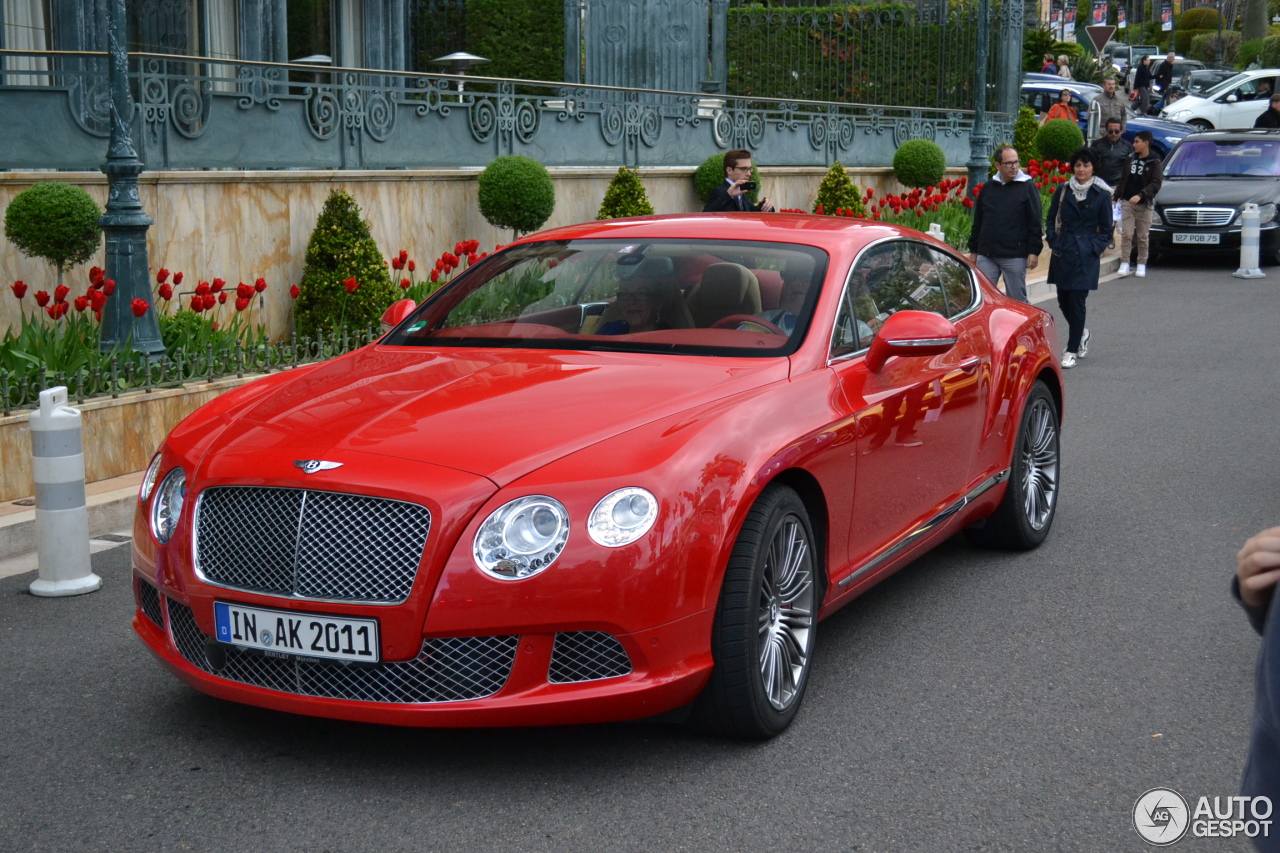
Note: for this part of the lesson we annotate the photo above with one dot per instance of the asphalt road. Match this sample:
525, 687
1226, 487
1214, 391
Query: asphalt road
975, 701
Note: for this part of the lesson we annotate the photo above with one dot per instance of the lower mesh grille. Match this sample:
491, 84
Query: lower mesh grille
446, 670
149, 598
587, 656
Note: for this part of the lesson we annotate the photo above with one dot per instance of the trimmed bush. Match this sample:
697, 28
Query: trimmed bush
711, 175
1182, 39
1024, 134
919, 163
1058, 139
1271, 51
1249, 51
625, 197
1205, 47
342, 248
1198, 18
524, 38
516, 192
54, 221
837, 192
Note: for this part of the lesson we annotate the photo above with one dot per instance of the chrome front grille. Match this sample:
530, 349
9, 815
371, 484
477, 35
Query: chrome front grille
1199, 217
451, 669
310, 544
149, 598
587, 656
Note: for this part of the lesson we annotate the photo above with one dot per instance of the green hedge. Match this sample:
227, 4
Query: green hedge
523, 38
1271, 51
1199, 18
1204, 47
1182, 39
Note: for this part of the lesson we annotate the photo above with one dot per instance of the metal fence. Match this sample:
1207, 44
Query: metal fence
210, 114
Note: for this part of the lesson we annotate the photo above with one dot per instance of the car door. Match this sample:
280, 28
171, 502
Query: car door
918, 420
1252, 99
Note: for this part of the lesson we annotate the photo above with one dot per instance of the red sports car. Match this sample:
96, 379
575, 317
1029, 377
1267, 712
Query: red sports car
614, 470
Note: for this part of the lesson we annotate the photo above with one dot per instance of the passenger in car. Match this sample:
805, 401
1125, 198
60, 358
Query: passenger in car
795, 288
638, 302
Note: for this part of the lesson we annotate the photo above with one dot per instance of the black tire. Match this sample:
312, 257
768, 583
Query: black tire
762, 624
1019, 524
1201, 124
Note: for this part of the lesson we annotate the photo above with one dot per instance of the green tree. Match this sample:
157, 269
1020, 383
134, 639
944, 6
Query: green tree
516, 192
625, 197
838, 192
342, 248
523, 38
54, 221
919, 163
1058, 139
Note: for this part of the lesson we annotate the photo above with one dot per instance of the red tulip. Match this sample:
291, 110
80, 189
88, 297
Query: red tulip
42, 298
218, 284
60, 293
140, 306
109, 286
351, 285
197, 304
260, 285
209, 301
81, 302
295, 292
395, 263
19, 289
96, 275
241, 303
405, 284
97, 315
244, 291
412, 265
439, 263
57, 309
458, 249
435, 276
166, 290
222, 298
177, 279
920, 214
161, 277
471, 259
214, 326
97, 299
202, 288
475, 246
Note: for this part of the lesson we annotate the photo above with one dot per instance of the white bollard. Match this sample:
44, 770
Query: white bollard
62, 518
935, 231
1250, 234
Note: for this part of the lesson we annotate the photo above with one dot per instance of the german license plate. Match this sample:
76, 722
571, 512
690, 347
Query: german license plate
1212, 239
301, 634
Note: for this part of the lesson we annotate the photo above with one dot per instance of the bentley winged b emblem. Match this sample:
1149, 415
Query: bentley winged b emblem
310, 466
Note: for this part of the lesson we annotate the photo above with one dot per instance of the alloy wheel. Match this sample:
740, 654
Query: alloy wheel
1039, 464
786, 612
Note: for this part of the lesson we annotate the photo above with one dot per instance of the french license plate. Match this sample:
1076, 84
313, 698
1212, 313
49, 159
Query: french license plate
1212, 239
300, 634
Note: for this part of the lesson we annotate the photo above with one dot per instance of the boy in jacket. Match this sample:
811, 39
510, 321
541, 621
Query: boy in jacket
1140, 180
1005, 239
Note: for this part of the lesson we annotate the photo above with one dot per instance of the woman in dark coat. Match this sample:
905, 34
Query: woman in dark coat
1080, 226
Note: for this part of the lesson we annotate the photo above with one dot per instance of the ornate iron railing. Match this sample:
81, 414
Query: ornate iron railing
196, 113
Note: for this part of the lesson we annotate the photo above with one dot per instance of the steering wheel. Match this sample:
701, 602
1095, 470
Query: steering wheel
760, 324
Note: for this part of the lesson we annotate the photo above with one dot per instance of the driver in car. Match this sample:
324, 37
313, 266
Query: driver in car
637, 302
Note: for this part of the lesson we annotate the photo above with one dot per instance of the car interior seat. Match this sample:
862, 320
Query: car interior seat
725, 290
770, 288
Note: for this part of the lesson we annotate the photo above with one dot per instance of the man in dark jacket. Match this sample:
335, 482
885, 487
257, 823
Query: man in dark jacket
1257, 569
1005, 239
1164, 73
1111, 149
1271, 118
1140, 181
732, 194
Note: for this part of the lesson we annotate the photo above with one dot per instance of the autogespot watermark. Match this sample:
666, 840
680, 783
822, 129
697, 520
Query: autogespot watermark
1162, 817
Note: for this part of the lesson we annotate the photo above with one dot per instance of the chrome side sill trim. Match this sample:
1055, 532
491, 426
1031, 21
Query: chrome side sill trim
927, 527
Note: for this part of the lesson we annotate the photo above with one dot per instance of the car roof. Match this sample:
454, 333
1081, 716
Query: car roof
1233, 135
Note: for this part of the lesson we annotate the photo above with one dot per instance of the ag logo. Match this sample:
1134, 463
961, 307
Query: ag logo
1161, 816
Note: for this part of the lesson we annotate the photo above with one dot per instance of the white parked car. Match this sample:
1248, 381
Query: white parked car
1233, 104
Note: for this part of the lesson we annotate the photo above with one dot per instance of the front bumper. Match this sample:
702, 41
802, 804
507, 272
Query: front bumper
1228, 239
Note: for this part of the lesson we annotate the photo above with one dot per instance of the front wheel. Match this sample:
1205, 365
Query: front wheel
763, 637
1201, 124
1023, 519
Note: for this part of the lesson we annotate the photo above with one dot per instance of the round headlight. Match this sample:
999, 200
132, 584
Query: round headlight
149, 479
522, 537
622, 517
167, 507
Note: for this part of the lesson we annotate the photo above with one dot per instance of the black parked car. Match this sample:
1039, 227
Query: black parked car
1208, 178
1197, 82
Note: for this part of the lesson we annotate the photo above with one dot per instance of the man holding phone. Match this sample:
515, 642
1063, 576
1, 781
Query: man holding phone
732, 194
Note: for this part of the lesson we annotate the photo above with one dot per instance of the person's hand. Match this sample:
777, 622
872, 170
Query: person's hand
737, 190
1258, 567
766, 206
973, 257
1135, 200
1033, 261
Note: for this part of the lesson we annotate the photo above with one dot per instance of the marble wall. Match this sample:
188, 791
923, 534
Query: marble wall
242, 225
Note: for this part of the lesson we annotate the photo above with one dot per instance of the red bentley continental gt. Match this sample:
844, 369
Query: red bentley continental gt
614, 470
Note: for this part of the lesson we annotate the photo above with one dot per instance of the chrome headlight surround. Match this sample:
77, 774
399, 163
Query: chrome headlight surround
149, 479
521, 538
167, 507
622, 517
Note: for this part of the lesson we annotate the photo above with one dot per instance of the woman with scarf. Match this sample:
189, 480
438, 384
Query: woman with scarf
1079, 228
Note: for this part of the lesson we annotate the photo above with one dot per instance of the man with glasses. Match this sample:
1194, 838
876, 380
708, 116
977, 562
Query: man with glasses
1107, 106
733, 193
1006, 237
1111, 151
1271, 118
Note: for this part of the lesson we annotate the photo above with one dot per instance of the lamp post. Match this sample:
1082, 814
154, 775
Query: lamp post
979, 141
124, 222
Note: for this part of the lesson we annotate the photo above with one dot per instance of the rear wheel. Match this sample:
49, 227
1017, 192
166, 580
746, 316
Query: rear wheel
1023, 519
1201, 124
763, 638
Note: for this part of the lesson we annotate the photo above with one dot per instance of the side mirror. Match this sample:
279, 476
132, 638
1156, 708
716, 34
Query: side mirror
911, 334
1231, 99
396, 313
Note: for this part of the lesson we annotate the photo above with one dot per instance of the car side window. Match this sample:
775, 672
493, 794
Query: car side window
896, 276
956, 281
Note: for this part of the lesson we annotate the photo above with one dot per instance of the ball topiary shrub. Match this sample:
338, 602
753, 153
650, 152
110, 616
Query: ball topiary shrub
837, 192
1058, 139
341, 248
919, 163
54, 221
711, 175
625, 197
1199, 18
516, 192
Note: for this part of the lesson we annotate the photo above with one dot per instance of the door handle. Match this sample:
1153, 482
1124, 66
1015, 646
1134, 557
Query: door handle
970, 364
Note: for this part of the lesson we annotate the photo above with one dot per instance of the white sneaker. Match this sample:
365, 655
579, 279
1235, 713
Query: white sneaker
1123, 271
1084, 345
1142, 271
1068, 361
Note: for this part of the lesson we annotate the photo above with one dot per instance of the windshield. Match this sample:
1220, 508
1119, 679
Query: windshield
698, 297
1228, 158
1225, 85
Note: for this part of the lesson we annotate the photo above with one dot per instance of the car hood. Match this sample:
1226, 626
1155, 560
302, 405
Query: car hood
1163, 126
495, 413
1186, 102
1217, 192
